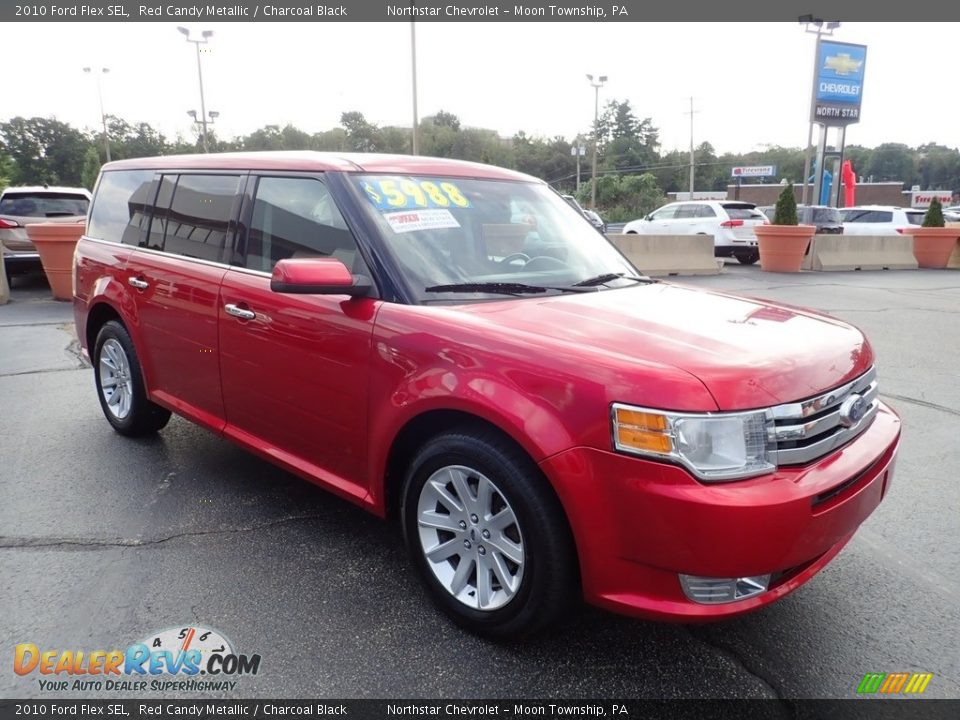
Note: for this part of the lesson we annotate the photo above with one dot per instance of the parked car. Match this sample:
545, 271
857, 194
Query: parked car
22, 205
730, 223
590, 215
545, 422
826, 219
879, 219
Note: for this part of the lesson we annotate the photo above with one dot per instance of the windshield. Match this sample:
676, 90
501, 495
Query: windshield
446, 232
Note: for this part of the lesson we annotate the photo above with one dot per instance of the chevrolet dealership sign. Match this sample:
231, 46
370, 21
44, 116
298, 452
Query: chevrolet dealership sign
839, 82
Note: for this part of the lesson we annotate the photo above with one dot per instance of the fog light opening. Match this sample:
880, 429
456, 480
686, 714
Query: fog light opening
714, 591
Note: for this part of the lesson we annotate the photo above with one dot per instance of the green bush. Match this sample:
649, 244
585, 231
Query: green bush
786, 212
934, 216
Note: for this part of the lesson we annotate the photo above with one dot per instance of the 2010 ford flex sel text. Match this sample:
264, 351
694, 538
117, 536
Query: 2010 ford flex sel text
453, 344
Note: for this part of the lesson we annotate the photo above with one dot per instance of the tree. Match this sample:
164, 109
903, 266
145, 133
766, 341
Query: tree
45, 150
625, 141
444, 119
624, 197
892, 161
362, 136
132, 141
91, 167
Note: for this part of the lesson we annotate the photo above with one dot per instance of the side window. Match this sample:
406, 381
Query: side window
705, 211
199, 219
687, 210
294, 218
119, 207
158, 223
665, 213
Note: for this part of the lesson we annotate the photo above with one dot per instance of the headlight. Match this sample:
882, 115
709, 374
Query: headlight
720, 446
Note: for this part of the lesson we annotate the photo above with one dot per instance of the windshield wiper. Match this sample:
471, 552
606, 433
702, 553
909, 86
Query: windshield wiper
501, 288
607, 277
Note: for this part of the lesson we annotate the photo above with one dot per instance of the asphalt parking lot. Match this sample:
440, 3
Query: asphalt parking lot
105, 540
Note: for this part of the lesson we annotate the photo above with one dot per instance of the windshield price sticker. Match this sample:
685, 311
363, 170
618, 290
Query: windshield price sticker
413, 220
401, 193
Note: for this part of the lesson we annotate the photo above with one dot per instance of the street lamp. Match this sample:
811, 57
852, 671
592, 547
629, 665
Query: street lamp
213, 115
413, 63
103, 116
596, 134
205, 35
819, 28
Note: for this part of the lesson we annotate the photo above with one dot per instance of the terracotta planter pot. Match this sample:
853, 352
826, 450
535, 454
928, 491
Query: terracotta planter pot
55, 243
782, 247
932, 246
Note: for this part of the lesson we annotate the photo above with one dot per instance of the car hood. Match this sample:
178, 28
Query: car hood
747, 352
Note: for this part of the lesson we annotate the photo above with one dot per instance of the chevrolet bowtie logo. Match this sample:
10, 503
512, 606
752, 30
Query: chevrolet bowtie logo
842, 64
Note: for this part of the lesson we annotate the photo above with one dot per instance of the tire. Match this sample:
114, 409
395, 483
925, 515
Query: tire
119, 381
748, 258
528, 557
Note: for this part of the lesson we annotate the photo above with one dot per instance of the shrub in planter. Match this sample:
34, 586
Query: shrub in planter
932, 242
784, 243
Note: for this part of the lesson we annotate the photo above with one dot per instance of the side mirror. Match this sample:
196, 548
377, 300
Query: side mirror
649, 217
317, 276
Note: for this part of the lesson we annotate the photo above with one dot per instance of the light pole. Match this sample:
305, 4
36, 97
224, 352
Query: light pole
692, 165
596, 135
815, 26
213, 115
103, 116
205, 35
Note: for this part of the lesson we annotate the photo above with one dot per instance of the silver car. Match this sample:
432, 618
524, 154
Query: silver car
20, 206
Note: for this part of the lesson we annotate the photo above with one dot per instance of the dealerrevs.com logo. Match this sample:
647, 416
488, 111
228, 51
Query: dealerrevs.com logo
186, 659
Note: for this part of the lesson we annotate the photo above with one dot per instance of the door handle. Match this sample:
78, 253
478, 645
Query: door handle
138, 283
239, 312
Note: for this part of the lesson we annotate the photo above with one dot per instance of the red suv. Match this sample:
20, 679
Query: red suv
454, 345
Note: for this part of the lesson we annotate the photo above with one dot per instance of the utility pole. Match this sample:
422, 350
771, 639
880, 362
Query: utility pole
692, 165
596, 135
103, 115
413, 62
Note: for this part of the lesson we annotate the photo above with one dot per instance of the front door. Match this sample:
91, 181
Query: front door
295, 368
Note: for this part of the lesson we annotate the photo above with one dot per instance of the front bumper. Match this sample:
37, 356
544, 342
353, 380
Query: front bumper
640, 523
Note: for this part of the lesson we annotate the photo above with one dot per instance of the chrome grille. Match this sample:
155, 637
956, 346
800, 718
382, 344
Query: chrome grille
810, 429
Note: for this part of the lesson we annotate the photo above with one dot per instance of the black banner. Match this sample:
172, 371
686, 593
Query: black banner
872, 709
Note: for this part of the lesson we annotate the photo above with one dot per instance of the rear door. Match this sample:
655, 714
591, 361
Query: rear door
175, 279
295, 368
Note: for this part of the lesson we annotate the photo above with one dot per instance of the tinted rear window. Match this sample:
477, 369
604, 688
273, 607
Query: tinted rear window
43, 204
743, 212
915, 218
119, 205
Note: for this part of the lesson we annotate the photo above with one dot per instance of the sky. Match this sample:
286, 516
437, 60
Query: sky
750, 82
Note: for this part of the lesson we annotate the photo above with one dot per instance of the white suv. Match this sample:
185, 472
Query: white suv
729, 221
879, 219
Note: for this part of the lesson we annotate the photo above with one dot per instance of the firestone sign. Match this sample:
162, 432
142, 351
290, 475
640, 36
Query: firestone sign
839, 83
753, 171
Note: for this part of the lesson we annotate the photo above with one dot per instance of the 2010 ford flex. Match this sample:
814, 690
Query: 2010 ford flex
453, 344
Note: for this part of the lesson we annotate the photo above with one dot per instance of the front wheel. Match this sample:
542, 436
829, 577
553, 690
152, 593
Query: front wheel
487, 535
119, 379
